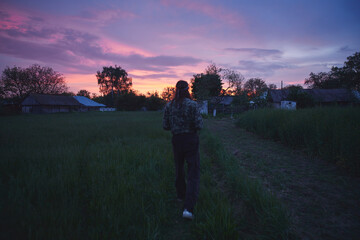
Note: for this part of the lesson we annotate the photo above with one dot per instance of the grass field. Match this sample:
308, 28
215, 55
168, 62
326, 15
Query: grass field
333, 133
111, 176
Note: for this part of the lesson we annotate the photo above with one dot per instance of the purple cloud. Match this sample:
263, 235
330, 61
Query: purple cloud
257, 52
262, 68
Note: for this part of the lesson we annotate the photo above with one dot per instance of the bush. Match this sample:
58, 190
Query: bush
130, 102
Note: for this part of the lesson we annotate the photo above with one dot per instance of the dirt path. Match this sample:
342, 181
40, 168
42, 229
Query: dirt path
323, 201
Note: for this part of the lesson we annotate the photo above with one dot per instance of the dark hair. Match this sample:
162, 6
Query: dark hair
182, 92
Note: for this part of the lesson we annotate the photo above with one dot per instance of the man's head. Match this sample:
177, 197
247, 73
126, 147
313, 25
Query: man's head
182, 91
181, 84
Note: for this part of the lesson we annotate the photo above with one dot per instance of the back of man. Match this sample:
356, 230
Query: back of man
183, 118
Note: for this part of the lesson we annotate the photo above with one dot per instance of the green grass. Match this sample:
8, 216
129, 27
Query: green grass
111, 176
261, 214
333, 133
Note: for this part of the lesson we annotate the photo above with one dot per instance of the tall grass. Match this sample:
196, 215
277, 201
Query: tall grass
111, 176
85, 176
333, 133
260, 214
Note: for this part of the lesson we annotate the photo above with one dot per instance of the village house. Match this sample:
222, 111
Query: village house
322, 97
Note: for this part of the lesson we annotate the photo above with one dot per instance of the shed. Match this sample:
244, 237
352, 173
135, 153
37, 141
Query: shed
221, 104
88, 104
38, 103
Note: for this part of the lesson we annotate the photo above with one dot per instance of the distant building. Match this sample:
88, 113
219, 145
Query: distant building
320, 96
39, 103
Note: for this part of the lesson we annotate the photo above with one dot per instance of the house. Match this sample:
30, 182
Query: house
88, 104
39, 103
320, 96
203, 107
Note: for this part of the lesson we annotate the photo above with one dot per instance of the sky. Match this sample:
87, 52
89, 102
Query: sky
159, 42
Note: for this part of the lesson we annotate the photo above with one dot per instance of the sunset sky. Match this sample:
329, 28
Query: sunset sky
160, 42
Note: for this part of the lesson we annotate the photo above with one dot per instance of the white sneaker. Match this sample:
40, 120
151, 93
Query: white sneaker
187, 214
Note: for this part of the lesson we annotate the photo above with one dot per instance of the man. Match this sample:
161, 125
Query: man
183, 118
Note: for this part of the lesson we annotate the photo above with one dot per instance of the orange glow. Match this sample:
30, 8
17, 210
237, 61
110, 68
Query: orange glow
142, 80
77, 82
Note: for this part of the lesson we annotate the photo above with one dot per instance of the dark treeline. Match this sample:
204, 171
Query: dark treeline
116, 90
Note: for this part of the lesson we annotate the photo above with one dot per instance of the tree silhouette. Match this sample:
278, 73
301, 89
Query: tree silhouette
207, 85
255, 87
18, 83
83, 93
113, 80
168, 93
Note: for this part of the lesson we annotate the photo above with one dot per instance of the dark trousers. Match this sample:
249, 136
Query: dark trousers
186, 148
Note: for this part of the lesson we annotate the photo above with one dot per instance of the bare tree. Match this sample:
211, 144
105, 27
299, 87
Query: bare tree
234, 81
168, 94
17, 82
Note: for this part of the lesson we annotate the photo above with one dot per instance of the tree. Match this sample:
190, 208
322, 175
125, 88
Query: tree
322, 80
349, 75
18, 83
344, 77
234, 81
113, 80
272, 86
68, 94
154, 102
130, 101
298, 95
168, 93
207, 85
83, 93
254, 87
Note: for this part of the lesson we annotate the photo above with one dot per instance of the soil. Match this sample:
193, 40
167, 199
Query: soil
323, 200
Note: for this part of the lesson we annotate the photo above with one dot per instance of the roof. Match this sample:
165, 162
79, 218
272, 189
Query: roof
278, 95
53, 100
319, 95
88, 102
225, 100
330, 95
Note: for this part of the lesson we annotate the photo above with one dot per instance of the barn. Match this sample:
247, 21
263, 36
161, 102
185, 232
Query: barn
39, 103
88, 104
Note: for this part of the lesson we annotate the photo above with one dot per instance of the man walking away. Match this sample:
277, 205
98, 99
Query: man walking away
183, 118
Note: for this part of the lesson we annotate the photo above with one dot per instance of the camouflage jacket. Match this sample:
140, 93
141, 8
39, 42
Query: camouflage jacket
185, 118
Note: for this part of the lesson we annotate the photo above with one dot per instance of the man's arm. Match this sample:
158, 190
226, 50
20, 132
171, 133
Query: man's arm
166, 118
198, 119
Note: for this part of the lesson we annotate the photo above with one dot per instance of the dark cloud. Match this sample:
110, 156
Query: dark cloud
266, 68
36, 19
74, 49
75, 46
346, 49
4, 15
35, 51
258, 52
29, 33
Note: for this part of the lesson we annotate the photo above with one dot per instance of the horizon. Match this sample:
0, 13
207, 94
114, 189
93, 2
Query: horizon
161, 42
